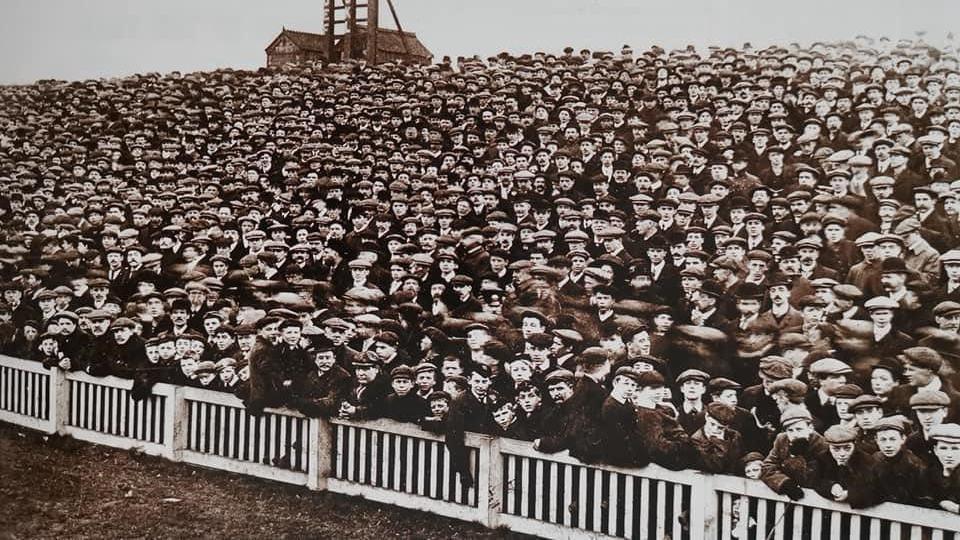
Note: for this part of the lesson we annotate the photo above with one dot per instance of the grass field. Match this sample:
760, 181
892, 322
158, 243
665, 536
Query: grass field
53, 487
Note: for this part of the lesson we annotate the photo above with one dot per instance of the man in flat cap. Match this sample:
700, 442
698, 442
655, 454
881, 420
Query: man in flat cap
899, 473
846, 470
322, 389
942, 480
719, 445
792, 463
581, 436
930, 408
921, 370
470, 411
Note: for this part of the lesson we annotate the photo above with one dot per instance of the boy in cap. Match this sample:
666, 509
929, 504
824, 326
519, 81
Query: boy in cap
942, 480
792, 462
845, 470
693, 385
899, 473
661, 437
365, 396
531, 409
127, 353
425, 379
439, 402
719, 447
930, 408
618, 422
468, 412
559, 384
402, 403
506, 421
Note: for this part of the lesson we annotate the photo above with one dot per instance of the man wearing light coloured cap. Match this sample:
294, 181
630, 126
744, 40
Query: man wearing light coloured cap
949, 289
930, 408
826, 375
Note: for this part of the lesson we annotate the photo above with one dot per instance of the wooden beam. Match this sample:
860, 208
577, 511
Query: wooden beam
396, 20
373, 30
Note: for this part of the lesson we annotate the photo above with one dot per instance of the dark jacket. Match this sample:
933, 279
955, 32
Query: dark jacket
791, 461
899, 479
854, 477
321, 394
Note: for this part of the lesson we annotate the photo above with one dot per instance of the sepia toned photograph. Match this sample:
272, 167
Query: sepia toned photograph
434, 269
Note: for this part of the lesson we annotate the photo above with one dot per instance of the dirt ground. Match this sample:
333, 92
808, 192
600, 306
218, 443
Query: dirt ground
53, 487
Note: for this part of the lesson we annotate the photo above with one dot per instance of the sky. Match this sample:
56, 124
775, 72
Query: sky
82, 39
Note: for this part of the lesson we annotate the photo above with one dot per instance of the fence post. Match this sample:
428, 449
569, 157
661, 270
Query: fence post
177, 422
320, 455
704, 507
490, 482
59, 397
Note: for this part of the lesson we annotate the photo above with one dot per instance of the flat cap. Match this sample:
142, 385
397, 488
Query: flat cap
865, 401
922, 357
948, 433
693, 375
791, 387
881, 302
593, 356
776, 368
795, 414
830, 366
846, 391
721, 412
840, 435
929, 399
896, 422
945, 308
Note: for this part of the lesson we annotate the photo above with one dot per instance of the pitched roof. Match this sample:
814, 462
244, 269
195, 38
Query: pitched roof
306, 41
391, 41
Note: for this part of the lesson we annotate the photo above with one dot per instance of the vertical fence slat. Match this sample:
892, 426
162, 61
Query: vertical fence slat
644, 507
397, 477
726, 515
894, 531
524, 486
537, 490
553, 476
874, 528
855, 527
566, 514
628, 507
798, 519
598, 500
835, 524
421, 467
762, 517
816, 525
677, 509
582, 498
779, 516
613, 505
661, 508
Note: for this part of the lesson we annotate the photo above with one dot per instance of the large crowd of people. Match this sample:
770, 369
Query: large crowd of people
744, 261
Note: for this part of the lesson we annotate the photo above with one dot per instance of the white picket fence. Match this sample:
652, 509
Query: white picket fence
514, 486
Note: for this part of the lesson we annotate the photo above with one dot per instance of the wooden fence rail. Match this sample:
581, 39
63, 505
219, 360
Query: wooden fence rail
550, 495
